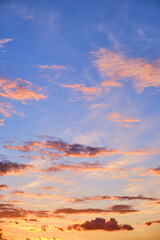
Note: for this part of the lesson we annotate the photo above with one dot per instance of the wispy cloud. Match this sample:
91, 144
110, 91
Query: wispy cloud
121, 120
4, 41
118, 67
100, 224
76, 167
53, 67
87, 92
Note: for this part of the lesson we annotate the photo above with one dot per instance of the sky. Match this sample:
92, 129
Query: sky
79, 119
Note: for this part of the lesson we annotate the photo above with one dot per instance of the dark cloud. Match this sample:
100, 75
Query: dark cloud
1, 235
10, 211
100, 224
7, 167
121, 209
3, 186
155, 171
98, 198
151, 222
86, 199
139, 197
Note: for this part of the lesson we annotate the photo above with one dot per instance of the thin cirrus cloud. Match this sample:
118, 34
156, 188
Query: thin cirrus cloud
100, 224
34, 195
121, 120
4, 41
117, 67
84, 90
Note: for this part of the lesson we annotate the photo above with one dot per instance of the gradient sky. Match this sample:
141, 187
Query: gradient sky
79, 119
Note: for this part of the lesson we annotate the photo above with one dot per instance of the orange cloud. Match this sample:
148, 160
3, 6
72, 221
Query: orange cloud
96, 91
1, 122
68, 150
6, 109
20, 90
100, 224
3, 186
118, 67
77, 167
122, 120
155, 171
56, 149
3, 41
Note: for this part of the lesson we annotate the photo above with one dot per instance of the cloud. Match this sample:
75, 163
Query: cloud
121, 209
6, 109
139, 197
19, 89
1, 235
86, 199
3, 41
34, 195
64, 149
100, 224
155, 171
54, 67
7, 167
99, 198
95, 91
56, 149
151, 222
10, 211
76, 167
118, 67
122, 120
3, 186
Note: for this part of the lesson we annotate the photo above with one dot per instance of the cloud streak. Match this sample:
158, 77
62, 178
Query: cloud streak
121, 120
121, 209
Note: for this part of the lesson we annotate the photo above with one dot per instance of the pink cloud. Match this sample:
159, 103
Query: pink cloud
118, 67
3, 41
